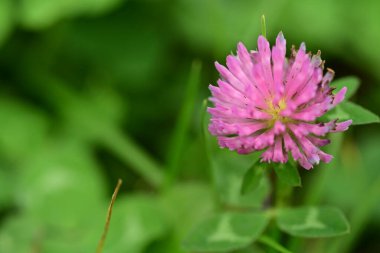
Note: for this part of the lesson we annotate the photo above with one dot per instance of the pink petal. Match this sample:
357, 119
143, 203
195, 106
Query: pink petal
229, 77
278, 57
266, 67
267, 155
339, 96
326, 158
278, 154
264, 140
342, 126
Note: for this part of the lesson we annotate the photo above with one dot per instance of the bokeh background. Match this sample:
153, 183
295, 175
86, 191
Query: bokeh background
96, 90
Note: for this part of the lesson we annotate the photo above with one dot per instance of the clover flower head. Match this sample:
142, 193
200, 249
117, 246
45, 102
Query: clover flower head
265, 101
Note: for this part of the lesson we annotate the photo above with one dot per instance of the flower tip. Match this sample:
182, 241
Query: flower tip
229, 58
339, 96
347, 123
342, 126
240, 45
280, 36
262, 40
303, 47
280, 43
221, 69
326, 158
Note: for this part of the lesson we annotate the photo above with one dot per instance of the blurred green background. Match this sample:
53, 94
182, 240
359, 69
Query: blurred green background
95, 90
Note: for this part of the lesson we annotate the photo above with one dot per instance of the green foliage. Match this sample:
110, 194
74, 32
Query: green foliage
181, 214
91, 91
351, 82
358, 114
348, 110
6, 19
7, 187
312, 221
49, 189
39, 14
288, 173
24, 233
273, 244
229, 169
225, 232
138, 218
23, 129
253, 177
179, 141
54, 179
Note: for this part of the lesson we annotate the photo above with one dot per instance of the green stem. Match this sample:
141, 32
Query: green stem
207, 149
178, 143
134, 156
281, 194
272, 244
263, 26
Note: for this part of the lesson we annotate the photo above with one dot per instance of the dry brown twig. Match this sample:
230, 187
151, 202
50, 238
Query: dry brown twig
108, 219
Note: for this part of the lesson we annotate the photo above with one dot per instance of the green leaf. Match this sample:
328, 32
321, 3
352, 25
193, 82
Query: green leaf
313, 221
351, 82
335, 113
23, 129
60, 194
56, 178
24, 234
137, 220
229, 169
252, 178
224, 232
184, 197
288, 173
358, 114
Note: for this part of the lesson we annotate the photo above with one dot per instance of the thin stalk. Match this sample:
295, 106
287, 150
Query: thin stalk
134, 156
182, 127
207, 148
272, 244
102, 240
263, 26
281, 196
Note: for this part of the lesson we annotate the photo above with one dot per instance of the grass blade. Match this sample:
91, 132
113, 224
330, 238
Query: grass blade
183, 123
